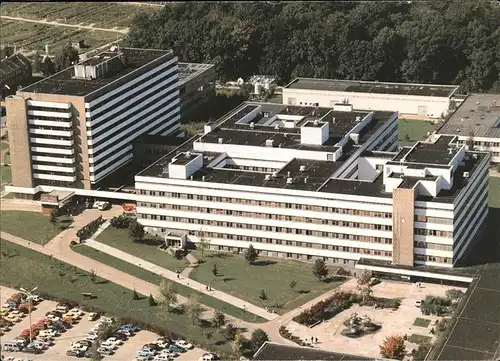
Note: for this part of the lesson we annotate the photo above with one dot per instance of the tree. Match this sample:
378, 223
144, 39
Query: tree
238, 343
230, 332
65, 57
194, 308
37, 62
393, 347
152, 301
203, 244
364, 278
136, 230
107, 330
135, 295
257, 339
320, 271
251, 254
94, 355
167, 294
53, 216
93, 275
214, 270
366, 293
208, 334
292, 285
48, 67
262, 295
219, 319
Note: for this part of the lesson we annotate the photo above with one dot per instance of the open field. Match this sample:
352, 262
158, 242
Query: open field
494, 192
412, 130
245, 281
156, 279
107, 15
26, 268
34, 227
32, 36
5, 175
120, 239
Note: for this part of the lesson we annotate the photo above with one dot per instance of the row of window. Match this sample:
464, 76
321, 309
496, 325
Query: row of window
258, 227
52, 119
433, 232
422, 257
437, 220
304, 207
439, 247
279, 217
250, 168
48, 109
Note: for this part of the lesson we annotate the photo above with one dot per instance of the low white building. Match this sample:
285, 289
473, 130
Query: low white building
476, 123
309, 182
423, 100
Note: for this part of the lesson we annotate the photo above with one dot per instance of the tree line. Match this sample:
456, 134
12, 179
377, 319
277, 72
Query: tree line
442, 42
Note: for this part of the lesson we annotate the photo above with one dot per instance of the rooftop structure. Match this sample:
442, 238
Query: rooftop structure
424, 100
477, 122
66, 83
189, 71
358, 196
15, 71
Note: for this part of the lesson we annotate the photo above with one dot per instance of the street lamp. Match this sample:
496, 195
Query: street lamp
30, 299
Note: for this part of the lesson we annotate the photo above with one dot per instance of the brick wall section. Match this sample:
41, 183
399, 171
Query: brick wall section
19, 144
403, 209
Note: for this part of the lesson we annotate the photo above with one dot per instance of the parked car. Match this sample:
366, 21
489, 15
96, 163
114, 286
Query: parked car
169, 353
418, 303
142, 353
72, 315
153, 346
92, 316
121, 336
208, 357
161, 357
115, 341
105, 351
110, 345
184, 344
162, 343
175, 348
130, 327
12, 318
62, 308
49, 333
91, 337
125, 332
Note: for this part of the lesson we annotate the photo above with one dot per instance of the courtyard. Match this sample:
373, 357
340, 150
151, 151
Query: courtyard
400, 322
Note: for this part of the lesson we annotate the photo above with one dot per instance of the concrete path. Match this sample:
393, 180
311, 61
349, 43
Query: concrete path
55, 23
193, 262
183, 281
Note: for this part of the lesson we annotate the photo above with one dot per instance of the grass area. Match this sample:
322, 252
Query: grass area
193, 128
237, 277
22, 267
5, 174
494, 192
120, 239
6, 158
421, 322
412, 130
34, 227
4, 145
419, 339
105, 15
155, 279
32, 36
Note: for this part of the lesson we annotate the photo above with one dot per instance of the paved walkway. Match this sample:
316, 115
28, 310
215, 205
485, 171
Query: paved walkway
200, 287
55, 23
193, 262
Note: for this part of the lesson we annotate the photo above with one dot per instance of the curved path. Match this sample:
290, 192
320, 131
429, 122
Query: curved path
55, 23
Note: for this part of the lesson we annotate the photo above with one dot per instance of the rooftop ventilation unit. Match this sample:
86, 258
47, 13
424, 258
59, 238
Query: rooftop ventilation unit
203, 178
220, 140
474, 156
466, 174
266, 114
450, 150
305, 180
358, 118
277, 127
267, 177
269, 143
288, 174
316, 122
275, 174
333, 120
302, 168
188, 154
252, 125
191, 177
289, 180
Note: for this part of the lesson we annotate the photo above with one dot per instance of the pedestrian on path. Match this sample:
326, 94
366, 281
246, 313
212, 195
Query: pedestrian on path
316, 340
312, 339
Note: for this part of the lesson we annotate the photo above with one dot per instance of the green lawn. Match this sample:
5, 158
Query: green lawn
419, 339
494, 192
4, 145
6, 158
237, 277
120, 239
5, 174
155, 279
22, 267
412, 130
421, 322
34, 227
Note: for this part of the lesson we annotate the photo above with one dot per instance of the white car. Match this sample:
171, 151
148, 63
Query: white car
92, 316
418, 303
107, 320
170, 354
183, 344
91, 337
77, 311
208, 357
115, 341
110, 345
53, 318
50, 333
105, 351
162, 343
161, 357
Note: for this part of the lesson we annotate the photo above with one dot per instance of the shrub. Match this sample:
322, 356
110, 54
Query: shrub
435, 305
73, 243
88, 230
121, 221
328, 308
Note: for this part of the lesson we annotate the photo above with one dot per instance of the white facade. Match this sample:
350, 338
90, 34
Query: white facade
415, 105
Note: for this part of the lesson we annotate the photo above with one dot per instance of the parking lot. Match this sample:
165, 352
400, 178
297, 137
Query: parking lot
64, 341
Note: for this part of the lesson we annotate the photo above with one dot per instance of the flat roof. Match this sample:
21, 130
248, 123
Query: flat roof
188, 71
275, 351
373, 87
64, 83
478, 116
13, 63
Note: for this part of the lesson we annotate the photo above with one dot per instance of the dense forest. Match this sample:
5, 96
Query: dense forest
442, 42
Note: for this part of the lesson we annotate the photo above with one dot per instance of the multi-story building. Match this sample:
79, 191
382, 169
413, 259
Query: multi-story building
15, 71
476, 123
196, 88
76, 127
310, 182
414, 100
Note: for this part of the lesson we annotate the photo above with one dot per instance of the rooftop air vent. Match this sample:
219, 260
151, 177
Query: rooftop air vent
252, 125
275, 174
302, 168
466, 174
305, 180
450, 150
316, 122
289, 180
220, 140
269, 143
203, 178
358, 118
191, 177
188, 154
268, 177
277, 127
474, 155
266, 114
288, 174
333, 120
